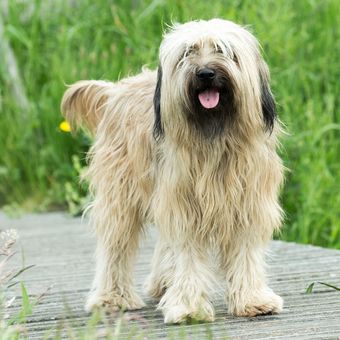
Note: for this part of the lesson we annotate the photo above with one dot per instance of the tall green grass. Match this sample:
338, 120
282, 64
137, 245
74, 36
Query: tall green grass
63, 41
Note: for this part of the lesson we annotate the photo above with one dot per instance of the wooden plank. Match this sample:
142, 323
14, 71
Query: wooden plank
61, 247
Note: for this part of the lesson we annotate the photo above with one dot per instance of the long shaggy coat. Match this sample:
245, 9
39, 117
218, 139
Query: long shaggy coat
190, 147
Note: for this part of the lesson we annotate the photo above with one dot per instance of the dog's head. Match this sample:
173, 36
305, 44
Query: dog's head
212, 76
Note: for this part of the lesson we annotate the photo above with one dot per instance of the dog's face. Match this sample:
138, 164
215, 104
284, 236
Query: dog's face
212, 77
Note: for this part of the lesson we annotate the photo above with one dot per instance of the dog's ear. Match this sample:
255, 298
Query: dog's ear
267, 99
158, 128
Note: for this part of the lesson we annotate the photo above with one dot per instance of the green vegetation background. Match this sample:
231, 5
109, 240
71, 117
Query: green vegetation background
61, 41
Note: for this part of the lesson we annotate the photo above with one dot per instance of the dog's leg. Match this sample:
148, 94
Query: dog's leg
116, 249
187, 295
162, 270
249, 294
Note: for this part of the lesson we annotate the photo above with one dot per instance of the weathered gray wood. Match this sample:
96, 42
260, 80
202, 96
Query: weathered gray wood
61, 247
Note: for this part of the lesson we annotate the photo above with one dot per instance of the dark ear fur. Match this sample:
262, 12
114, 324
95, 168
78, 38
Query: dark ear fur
267, 101
158, 128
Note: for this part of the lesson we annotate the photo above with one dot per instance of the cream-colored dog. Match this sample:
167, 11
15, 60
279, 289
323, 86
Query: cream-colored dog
192, 149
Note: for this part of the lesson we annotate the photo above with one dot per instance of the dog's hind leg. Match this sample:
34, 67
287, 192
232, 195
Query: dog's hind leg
187, 296
162, 270
118, 230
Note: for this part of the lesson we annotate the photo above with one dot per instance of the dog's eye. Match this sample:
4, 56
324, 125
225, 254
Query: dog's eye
190, 50
219, 50
182, 56
235, 59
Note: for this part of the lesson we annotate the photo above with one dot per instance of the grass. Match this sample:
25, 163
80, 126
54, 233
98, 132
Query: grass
310, 288
11, 326
63, 41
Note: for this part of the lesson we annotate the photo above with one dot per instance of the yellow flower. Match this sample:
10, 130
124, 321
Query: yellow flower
65, 126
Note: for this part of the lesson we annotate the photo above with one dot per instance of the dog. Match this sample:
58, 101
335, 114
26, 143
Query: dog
191, 148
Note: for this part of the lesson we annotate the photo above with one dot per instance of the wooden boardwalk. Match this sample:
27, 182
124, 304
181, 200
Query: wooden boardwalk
61, 249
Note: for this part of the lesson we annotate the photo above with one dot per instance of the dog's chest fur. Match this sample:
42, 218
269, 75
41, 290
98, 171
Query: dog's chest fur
206, 184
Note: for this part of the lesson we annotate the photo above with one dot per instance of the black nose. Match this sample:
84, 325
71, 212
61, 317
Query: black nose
206, 73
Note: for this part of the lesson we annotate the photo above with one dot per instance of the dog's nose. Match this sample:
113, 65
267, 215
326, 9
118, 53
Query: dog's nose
206, 74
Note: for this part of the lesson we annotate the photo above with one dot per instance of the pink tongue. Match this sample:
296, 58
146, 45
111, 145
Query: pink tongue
209, 98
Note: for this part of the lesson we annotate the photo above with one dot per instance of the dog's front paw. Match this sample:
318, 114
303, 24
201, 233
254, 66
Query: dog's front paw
114, 301
177, 311
262, 302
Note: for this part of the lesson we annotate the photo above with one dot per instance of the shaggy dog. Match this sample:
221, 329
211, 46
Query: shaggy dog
192, 149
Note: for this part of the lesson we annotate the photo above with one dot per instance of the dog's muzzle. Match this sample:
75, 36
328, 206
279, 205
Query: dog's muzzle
209, 96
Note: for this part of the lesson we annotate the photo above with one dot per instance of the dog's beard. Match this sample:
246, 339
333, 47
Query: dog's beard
211, 104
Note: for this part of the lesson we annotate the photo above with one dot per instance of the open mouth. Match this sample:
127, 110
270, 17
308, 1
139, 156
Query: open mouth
209, 98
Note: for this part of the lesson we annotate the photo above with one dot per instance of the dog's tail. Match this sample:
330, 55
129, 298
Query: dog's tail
84, 103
